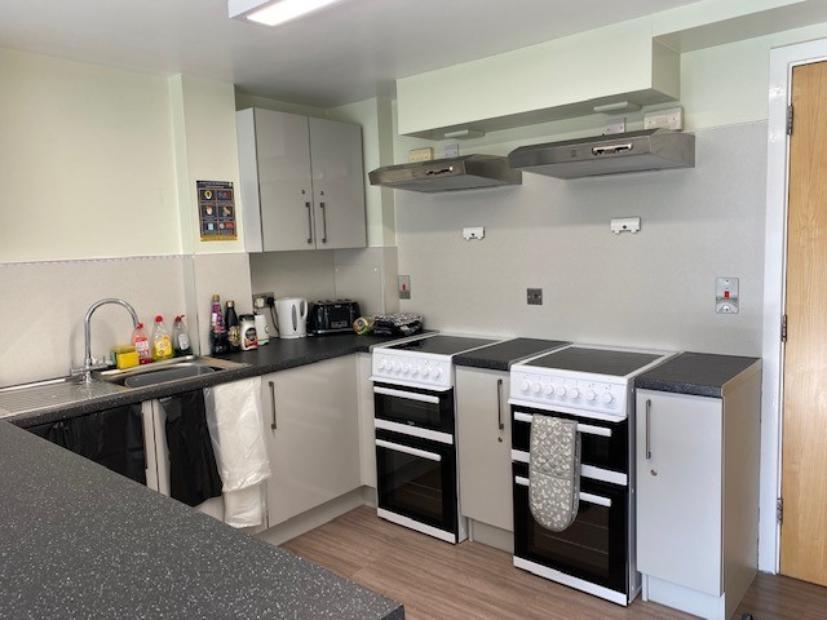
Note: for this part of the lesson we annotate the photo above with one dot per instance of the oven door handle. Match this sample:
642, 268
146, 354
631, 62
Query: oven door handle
585, 429
396, 447
584, 497
422, 398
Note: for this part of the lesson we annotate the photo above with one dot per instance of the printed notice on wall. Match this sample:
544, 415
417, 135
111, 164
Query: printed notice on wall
216, 210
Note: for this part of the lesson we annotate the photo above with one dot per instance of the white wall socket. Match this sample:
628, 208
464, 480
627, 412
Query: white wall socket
666, 119
625, 224
473, 234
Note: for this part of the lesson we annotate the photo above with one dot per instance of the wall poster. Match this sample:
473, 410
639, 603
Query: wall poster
216, 210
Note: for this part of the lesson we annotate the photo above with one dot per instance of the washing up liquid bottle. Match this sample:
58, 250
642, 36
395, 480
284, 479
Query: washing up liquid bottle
141, 344
180, 337
161, 342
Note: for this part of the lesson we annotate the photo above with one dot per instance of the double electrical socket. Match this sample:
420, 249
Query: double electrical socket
260, 299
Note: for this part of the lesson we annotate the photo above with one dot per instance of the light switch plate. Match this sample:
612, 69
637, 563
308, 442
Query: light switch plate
534, 296
727, 300
624, 224
404, 285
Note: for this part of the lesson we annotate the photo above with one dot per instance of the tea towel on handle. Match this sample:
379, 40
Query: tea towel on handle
236, 423
554, 472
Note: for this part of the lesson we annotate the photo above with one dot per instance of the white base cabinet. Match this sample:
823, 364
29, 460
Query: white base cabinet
697, 496
312, 433
484, 446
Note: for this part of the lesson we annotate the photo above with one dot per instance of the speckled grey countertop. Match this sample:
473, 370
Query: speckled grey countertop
277, 355
697, 374
500, 356
77, 540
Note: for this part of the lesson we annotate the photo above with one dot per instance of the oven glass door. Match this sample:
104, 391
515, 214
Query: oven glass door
417, 479
415, 407
593, 547
603, 444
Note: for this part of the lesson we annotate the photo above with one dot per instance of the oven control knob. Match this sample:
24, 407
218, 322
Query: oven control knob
608, 398
426, 371
415, 371
406, 368
548, 389
574, 393
525, 386
382, 364
560, 391
396, 367
591, 395
536, 387
437, 373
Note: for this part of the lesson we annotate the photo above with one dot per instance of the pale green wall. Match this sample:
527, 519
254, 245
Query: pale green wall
86, 164
205, 150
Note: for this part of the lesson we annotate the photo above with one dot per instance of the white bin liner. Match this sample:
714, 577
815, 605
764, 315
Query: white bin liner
236, 424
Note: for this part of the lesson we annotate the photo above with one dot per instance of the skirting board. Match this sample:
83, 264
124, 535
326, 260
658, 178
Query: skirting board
316, 517
683, 599
491, 536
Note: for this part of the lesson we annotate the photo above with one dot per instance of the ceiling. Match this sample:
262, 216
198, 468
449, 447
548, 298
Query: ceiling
350, 51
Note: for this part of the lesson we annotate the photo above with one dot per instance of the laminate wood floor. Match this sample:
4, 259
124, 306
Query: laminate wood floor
436, 580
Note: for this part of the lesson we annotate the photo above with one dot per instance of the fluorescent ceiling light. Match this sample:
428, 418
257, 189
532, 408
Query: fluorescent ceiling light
272, 13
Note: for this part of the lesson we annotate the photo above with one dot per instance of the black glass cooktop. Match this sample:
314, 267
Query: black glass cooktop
597, 361
443, 345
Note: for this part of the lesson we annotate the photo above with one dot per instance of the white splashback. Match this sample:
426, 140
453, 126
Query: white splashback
42, 306
651, 289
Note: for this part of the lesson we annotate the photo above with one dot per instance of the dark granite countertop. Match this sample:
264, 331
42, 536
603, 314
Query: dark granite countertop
78, 540
278, 355
500, 356
697, 374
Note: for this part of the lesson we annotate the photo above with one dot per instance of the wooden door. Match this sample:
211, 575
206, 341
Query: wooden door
804, 441
285, 186
338, 184
679, 489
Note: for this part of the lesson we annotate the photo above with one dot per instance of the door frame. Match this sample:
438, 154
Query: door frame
782, 62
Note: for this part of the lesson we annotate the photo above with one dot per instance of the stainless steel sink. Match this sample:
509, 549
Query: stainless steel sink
30, 397
168, 371
64, 391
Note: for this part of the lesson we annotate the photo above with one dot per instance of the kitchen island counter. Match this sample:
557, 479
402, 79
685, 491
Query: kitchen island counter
78, 540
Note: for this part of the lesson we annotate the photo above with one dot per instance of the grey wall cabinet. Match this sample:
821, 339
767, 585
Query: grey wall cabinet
302, 182
697, 496
484, 446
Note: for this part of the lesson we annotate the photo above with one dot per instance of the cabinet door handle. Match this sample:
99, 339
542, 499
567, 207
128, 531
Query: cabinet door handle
648, 429
309, 222
500, 425
274, 425
323, 207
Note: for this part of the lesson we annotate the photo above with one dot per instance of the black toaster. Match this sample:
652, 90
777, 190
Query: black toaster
332, 317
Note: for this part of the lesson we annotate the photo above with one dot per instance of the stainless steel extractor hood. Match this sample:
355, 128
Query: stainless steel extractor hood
448, 175
635, 151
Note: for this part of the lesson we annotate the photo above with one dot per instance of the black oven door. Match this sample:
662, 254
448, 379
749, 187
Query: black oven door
417, 479
593, 548
603, 444
425, 409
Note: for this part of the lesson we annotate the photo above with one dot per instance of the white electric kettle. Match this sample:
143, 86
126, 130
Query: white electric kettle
292, 317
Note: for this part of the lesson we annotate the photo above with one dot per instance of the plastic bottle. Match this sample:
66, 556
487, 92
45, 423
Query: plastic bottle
141, 344
218, 334
233, 326
161, 342
180, 337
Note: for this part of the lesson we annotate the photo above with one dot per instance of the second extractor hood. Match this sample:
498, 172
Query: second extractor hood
635, 151
446, 175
